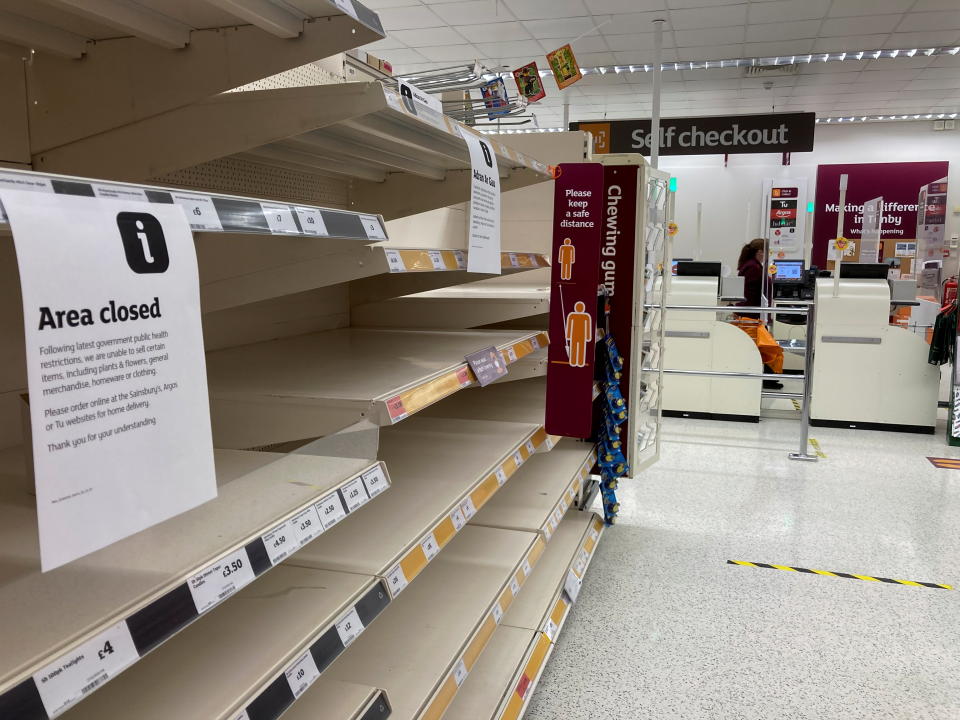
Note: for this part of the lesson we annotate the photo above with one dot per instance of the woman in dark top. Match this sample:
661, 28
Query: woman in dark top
750, 268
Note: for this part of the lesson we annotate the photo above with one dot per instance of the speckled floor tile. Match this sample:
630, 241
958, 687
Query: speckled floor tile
665, 629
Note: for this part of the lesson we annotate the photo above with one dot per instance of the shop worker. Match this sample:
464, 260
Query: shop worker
750, 267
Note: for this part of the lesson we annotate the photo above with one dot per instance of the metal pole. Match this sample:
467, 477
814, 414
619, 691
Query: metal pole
735, 308
655, 114
730, 374
807, 390
838, 261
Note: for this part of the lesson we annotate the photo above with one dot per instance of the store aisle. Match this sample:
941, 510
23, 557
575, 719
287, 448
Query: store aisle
690, 637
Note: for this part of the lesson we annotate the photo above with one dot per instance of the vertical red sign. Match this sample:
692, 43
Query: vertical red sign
575, 277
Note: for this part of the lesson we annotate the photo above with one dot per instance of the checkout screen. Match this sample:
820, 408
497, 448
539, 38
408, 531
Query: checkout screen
789, 270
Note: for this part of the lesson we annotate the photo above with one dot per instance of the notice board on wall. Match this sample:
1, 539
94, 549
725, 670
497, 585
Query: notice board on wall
897, 183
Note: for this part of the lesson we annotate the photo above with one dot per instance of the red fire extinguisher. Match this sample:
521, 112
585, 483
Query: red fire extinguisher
949, 291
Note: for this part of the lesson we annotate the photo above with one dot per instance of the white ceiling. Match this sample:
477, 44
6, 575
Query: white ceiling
425, 34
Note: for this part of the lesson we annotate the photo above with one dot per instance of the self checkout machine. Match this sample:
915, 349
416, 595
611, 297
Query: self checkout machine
697, 340
793, 285
867, 373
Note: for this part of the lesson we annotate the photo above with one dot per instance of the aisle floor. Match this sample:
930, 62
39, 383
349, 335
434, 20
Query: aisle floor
665, 628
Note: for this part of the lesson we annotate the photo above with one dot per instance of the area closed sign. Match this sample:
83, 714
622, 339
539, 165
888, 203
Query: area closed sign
726, 134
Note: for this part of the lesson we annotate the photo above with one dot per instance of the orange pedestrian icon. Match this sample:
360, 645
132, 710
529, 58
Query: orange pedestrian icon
579, 333
566, 258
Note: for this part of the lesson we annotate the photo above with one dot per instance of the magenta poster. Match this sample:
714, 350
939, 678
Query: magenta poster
897, 183
575, 275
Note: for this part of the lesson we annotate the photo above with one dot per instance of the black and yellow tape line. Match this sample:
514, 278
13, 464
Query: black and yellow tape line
818, 451
796, 404
945, 463
852, 576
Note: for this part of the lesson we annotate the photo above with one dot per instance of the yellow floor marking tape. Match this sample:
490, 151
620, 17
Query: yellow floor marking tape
816, 446
869, 578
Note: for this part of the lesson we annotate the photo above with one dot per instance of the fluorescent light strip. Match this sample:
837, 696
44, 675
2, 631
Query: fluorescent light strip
761, 61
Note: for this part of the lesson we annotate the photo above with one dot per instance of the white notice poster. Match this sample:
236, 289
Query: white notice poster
483, 228
115, 367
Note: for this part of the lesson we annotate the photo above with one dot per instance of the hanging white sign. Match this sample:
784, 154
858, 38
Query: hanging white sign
484, 221
115, 367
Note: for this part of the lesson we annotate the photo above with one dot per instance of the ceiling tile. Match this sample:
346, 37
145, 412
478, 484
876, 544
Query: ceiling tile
428, 36
589, 43
403, 56
787, 10
923, 5
510, 48
644, 41
409, 18
914, 21
847, 8
471, 13
450, 53
712, 52
560, 28
596, 58
381, 4
625, 6
641, 57
388, 43
848, 44
772, 49
906, 41
717, 36
543, 9
498, 32
865, 25
708, 17
798, 30
632, 23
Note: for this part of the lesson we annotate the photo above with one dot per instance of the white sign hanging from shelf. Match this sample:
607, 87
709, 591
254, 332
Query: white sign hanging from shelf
115, 365
484, 222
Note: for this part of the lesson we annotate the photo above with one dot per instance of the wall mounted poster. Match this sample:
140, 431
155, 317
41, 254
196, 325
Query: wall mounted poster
115, 367
870, 229
528, 82
564, 66
897, 183
578, 208
483, 222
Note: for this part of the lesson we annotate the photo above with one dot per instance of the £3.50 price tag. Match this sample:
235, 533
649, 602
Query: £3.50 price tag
348, 627
220, 580
330, 510
307, 525
82, 670
302, 673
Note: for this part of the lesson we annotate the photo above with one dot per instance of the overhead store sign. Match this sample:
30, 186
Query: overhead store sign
726, 134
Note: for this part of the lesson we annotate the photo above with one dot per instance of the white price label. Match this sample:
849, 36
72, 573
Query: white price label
119, 192
497, 613
549, 442
460, 672
534, 343
280, 542
301, 674
547, 532
531, 448
553, 523
501, 476
395, 261
430, 547
200, 211
23, 181
456, 517
348, 627
526, 568
330, 510
518, 458
306, 525
242, 715
280, 219
85, 668
436, 259
372, 226
220, 580
581, 564
514, 586
469, 509
311, 221
572, 586
511, 354
557, 515
354, 493
461, 259
396, 580
594, 534
550, 629
347, 7
514, 260
375, 481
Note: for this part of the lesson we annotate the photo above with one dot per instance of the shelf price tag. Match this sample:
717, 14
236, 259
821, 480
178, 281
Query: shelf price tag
514, 260
581, 563
436, 259
396, 409
550, 629
553, 523
501, 476
594, 534
460, 672
571, 586
119, 192
354, 494
514, 586
531, 448
349, 627
518, 458
301, 674
306, 525
557, 515
511, 354
242, 715
330, 510
280, 219
497, 612
526, 568
220, 580
534, 343
311, 221
395, 261
371, 223
200, 211
280, 542
456, 517
375, 481
469, 509
430, 547
82, 670
396, 580
463, 376
461, 259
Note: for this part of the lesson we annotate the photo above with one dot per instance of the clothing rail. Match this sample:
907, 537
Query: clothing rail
808, 309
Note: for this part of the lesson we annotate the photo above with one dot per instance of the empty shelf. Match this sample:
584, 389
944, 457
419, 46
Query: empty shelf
421, 651
503, 682
442, 472
329, 699
538, 496
311, 385
255, 654
143, 589
522, 400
